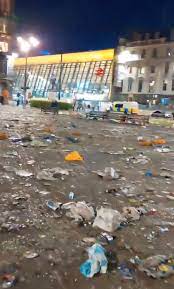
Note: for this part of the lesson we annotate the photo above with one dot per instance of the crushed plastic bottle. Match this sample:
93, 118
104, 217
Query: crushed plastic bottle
149, 173
53, 205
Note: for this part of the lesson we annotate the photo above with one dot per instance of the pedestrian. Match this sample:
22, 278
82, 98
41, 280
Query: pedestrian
80, 104
74, 102
18, 99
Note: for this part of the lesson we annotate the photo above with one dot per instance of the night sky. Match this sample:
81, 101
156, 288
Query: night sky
77, 25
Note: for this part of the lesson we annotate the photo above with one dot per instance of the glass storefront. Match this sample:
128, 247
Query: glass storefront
93, 77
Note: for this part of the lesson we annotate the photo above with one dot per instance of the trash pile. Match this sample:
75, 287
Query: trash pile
69, 187
52, 174
159, 266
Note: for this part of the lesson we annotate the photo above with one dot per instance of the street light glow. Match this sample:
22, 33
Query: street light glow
19, 39
14, 55
34, 41
26, 45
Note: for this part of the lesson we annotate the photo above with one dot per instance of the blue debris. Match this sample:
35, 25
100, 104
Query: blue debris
97, 262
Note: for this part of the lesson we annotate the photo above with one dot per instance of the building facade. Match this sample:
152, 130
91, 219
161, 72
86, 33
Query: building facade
83, 74
6, 25
145, 69
6, 33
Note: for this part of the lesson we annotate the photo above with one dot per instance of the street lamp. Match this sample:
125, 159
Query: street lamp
26, 45
60, 76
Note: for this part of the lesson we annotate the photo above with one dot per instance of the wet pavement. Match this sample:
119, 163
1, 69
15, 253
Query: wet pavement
44, 248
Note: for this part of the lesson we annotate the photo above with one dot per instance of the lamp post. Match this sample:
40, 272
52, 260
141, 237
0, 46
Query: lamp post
60, 76
26, 46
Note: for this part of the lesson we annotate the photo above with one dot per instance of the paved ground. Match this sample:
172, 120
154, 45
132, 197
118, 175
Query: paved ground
27, 224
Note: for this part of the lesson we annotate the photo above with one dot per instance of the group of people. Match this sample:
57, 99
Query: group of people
81, 105
4, 98
20, 98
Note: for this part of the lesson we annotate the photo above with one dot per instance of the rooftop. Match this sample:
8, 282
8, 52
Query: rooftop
88, 56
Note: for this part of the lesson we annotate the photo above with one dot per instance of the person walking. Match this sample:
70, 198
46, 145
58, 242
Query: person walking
18, 99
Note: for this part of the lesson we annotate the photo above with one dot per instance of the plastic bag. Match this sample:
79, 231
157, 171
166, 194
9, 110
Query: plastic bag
108, 219
73, 156
97, 262
131, 213
109, 173
81, 211
3, 136
159, 141
146, 143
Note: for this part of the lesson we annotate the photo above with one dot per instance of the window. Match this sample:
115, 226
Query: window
121, 86
3, 28
140, 85
166, 67
4, 47
130, 82
143, 54
141, 70
151, 85
130, 69
172, 84
168, 52
152, 69
155, 53
164, 85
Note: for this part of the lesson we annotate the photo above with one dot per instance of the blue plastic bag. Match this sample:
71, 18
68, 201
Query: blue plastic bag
97, 262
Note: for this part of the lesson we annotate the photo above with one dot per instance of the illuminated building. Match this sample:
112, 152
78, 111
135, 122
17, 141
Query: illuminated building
145, 69
81, 73
6, 25
6, 32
